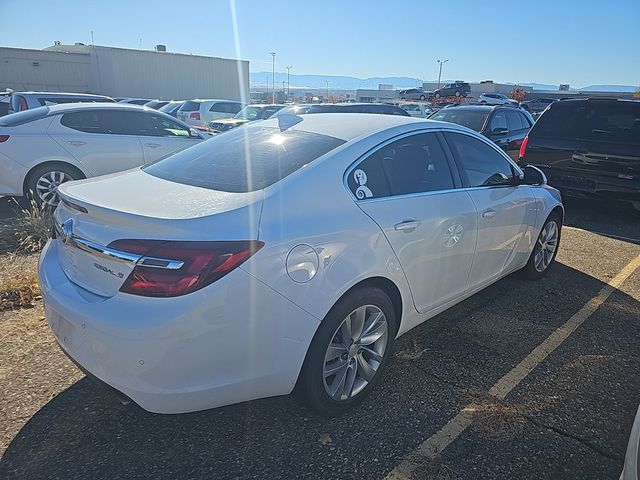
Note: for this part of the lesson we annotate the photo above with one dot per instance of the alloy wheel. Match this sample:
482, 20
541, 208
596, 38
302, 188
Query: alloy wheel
47, 186
546, 246
355, 352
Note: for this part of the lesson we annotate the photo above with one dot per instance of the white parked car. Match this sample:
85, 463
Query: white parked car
287, 253
420, 110
201, 112
43, 147
496, 99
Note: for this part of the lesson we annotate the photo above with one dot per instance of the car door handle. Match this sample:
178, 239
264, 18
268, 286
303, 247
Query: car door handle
406, 226
77, 143
489, 213
152, 145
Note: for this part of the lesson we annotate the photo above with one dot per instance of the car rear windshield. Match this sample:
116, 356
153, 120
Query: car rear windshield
598, 120
190, 106
24, 116
170, 107
244, 159
474, 119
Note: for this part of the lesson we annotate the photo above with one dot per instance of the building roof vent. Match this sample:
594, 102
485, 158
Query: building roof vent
161, 48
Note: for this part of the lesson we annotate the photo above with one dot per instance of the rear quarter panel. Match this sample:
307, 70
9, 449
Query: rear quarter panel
314, 208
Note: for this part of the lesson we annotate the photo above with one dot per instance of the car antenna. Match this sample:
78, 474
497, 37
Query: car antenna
288, 120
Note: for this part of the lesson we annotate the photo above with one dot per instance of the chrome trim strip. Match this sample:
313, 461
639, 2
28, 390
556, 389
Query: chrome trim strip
118, 255
102, 251
153, 262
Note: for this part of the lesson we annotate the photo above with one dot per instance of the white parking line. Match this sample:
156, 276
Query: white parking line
435, 444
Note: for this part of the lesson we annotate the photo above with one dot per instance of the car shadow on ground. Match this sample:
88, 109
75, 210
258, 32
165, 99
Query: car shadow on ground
609, 218
438, 368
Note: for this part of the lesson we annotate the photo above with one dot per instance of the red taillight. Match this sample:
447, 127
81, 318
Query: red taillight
4, 138
523, 147
23, 104
195, 116
170, 269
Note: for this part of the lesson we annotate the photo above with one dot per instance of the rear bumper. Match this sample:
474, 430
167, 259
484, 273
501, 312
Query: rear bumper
233, 341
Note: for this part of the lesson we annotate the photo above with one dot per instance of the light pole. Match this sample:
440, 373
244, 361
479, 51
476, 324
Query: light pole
273, 76
441, 62
327, 82
288, 84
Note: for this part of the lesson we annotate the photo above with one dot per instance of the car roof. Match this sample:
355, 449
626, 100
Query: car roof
69, 107
346, 126
61, 94
212, 100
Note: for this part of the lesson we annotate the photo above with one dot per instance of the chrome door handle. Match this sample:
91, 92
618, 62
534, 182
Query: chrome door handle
406, 226
489, 213
77, 143
152, 145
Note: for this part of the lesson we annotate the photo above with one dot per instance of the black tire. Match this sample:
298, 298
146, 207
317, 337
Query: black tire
423, 98
457, 94
530, 271
437, 95
30, 185
310, 388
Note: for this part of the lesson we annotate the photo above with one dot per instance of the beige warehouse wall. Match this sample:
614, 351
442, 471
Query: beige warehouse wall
143, 73
25, 69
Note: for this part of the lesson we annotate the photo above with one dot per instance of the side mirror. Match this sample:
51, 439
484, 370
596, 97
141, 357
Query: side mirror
534, 176
193, 133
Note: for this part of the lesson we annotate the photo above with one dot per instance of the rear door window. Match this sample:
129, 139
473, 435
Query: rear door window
226, 107
413, 164
514, 120
498, 121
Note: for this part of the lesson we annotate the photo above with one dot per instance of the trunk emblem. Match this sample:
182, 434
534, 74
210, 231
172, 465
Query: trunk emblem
66, 231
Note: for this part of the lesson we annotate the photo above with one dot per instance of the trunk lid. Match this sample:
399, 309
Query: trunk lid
134, 205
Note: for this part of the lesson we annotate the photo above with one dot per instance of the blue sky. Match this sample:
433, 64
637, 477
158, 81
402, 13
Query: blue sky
576, 42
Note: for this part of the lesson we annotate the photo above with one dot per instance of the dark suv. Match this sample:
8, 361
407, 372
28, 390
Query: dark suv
505, 126
457, 89
588, 147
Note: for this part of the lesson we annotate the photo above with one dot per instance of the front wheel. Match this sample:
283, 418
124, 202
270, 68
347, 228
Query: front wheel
545, 248
349, 352
423, 98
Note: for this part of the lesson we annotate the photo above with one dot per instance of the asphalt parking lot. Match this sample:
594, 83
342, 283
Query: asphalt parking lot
569, 417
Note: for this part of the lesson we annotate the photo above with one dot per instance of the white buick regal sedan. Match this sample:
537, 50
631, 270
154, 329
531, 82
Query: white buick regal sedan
288, 254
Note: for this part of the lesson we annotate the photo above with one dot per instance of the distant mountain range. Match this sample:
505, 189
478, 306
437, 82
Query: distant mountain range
338, 82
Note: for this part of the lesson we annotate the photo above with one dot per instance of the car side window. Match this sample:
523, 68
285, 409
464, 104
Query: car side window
85, 121
525, 121
482, 165
514, 119
498, 121
412, 164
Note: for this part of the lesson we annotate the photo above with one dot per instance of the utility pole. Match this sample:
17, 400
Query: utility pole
327, 82
441, 62
288, 83
273, 76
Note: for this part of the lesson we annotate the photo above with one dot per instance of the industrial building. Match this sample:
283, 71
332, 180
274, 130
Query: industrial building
122, 72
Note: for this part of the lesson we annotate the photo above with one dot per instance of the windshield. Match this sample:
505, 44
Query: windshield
244, 160
473, 119
249, 113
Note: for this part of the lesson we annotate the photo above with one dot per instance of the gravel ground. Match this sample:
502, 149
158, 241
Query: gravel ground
570, 418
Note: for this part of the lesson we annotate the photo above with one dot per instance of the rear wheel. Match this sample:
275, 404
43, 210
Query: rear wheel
42, 184
437, 95
457, 94
422, 97
349, 352
545, 248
